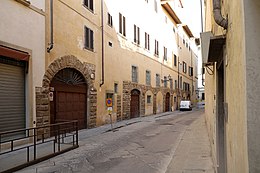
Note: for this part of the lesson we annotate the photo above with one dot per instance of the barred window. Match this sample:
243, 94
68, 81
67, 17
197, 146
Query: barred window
134, 74
148, 77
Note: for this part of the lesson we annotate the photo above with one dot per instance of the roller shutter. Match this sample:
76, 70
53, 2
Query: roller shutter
12, 94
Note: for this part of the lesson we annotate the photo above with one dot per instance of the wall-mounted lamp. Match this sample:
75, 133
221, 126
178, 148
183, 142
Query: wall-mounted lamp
169, 78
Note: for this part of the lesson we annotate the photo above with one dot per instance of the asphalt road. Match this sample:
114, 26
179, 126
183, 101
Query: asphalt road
147, 145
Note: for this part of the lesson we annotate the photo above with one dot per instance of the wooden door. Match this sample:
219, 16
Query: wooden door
135, 104
71, 106
70, 98
167, 102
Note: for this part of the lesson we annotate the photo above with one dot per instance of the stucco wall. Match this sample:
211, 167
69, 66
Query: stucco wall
252, 25
25, 28
234, 84
210, 110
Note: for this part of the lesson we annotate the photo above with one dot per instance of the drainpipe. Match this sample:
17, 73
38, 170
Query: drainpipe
102, 39
218, 16
51, 27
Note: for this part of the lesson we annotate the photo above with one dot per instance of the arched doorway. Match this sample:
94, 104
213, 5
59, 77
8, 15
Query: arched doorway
70, 97
167, 102
135, 104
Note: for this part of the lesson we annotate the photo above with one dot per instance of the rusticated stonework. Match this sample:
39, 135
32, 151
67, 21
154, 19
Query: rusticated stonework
42, 93
129, 86
119, 113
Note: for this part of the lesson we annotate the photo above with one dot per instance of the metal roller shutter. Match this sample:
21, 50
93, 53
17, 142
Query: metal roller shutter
12, 95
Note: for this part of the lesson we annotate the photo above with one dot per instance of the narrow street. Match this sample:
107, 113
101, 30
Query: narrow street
171, 142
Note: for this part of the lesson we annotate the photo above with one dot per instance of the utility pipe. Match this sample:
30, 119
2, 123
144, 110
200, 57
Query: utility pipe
218, 16
102, 40
51, 27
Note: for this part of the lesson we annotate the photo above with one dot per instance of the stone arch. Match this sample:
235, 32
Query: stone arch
69, 61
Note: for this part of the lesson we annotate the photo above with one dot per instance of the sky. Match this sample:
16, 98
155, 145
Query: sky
192, 15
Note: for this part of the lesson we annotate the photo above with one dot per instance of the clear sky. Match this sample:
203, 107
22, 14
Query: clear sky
192, 15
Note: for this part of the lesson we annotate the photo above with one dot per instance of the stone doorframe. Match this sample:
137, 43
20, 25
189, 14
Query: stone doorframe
42, 93
129, 86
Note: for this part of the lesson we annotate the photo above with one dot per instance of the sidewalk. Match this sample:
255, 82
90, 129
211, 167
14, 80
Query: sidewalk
193, 154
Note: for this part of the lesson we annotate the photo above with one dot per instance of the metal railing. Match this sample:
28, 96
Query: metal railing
24, 147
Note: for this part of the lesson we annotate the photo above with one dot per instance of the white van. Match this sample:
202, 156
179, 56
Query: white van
185, 105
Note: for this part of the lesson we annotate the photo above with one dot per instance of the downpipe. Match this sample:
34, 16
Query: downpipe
218, 16
51, 27
102, 40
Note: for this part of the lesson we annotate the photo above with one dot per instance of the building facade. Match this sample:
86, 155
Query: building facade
231, 60
112, 50
22, 61
77, 59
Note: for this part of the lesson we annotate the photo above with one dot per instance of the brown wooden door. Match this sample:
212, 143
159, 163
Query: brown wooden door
167, 102
135, 104
70, 98
71, 106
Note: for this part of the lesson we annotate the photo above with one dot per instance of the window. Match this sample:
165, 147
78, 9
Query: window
157, 80
175, 60
134, 74
165, 53
175, 84
175, 99
180, 83
115, 87
166, 19
165, 81
156, 48
148, 77
203, 96
184, 67
149, 99
186, 86
89, 5
109, 19
146, 1
122, 24
147, 41
155, 6
190, 71
171, 84
136, 34
173, 29
183, 41
89, 39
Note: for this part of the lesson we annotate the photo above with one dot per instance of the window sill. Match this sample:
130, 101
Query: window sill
88, 49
